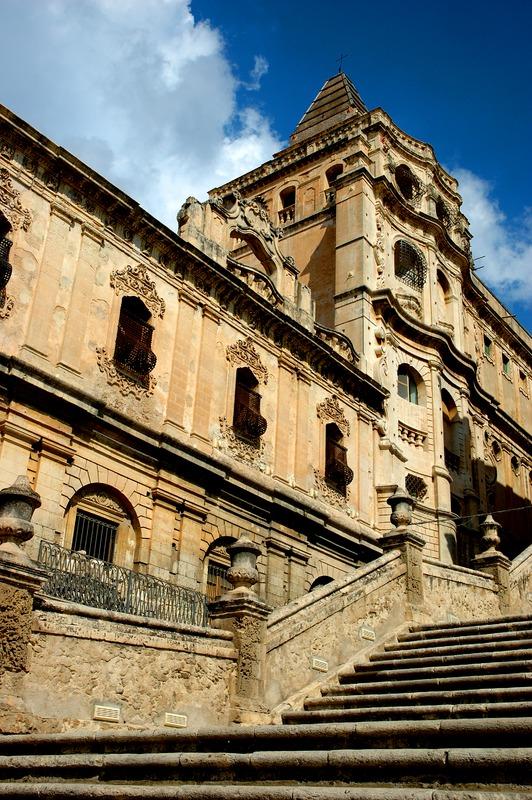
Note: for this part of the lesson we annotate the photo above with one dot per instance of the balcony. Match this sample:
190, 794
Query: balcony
78, 578
287, 215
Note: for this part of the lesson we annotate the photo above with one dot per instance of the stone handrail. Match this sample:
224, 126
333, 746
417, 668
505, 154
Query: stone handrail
520, 579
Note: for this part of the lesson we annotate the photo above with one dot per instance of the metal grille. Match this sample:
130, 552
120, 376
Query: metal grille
94, 536
5, 267
92, 582
217, 582
416, 487
247, 419
410, 265
133, 345
336, 470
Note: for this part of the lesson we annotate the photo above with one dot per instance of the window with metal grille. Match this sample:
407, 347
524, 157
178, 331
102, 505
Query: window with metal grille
248, 423
94, 535
5, 267
406, 181
133, 352
217, 583
416, 486
409, 264
337, 473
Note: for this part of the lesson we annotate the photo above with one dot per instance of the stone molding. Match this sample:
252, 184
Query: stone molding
136, 280
330, 495
240, 449
125, 385
330, 409
243, 352
10, 205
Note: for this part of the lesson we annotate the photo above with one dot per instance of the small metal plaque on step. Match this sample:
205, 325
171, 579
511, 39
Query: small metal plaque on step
175, 720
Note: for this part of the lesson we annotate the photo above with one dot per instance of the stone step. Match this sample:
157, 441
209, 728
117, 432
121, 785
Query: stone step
466, 629
472, 681
453, 641
445, 659
501, 695
70, 791
401, 672
436, 733
441, 711
483, 766
477, 623
480, 650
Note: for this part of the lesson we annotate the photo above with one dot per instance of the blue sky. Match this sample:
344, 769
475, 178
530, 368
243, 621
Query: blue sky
168, 98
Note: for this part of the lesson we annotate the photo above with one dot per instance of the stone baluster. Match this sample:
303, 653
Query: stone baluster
493, 562
409, 544
240, 611
20, 576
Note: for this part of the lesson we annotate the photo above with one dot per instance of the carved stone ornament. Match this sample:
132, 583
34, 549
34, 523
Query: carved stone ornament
378, 247
125, 385
329, 494
243, 451
100, 498
411, 305
338, 341
243, 352
10, 205
7, 306
330, 409
135, 280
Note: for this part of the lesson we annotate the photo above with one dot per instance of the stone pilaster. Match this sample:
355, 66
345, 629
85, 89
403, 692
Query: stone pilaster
20, 577
241, 612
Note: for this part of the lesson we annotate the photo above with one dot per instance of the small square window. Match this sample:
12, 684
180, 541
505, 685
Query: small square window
523, 383
506, 366
488, 347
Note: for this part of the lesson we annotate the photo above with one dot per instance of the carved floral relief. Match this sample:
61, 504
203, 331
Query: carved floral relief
10, 205
136, 280
243, 352
330, 409
125, 385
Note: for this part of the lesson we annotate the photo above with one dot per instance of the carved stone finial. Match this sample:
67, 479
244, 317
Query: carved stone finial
17, 504
401, 504
490, 536
242, 574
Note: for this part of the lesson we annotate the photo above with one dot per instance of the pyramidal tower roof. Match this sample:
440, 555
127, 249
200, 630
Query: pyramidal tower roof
336, 101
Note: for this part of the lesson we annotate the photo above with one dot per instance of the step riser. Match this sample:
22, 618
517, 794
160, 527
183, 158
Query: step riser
378, 766
433, 685
369, 672
440, 661
410, 713
465, 631
423, 698
498, 640
49, 791
476, 652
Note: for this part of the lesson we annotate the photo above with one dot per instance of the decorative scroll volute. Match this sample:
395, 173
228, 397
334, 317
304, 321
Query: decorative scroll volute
10, 205
330, 409
243, 352
135, 280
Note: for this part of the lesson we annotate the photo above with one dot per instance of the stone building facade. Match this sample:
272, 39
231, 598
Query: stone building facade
312, 337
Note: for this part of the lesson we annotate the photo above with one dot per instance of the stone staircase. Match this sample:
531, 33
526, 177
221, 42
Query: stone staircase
443, 714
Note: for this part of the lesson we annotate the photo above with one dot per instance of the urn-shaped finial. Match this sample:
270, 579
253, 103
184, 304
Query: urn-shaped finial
401, 504
17, 504
242, 574
490, 536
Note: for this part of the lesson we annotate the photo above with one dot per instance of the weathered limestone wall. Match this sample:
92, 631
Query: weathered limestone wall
79, 657
520, 580
457, 593
333, 623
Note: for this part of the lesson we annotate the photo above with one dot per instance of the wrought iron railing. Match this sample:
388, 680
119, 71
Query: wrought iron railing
81, 579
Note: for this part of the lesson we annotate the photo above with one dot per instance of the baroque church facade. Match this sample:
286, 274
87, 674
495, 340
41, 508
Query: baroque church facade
313, 336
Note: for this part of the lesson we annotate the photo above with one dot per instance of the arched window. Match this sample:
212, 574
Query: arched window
409, 265
288, 205
248, 424
337, 473
444, 293
333, 173
442, 211
133, 353
450, 432
322, 580
406, 181
409, 384
5, 267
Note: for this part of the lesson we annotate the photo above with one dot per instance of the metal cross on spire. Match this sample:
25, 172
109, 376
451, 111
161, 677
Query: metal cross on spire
340, 60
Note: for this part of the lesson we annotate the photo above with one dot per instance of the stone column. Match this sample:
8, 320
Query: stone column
20, 577
493, 562
240, 611
408, 543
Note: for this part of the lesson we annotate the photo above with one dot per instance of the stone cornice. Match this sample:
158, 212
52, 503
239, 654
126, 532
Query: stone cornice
386, 305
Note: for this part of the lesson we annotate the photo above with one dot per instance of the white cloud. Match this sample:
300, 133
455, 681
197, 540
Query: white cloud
138, 89
507, 249
260, 68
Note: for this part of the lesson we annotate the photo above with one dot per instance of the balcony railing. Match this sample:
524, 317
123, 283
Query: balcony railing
287, 215
5, 266
78, 578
